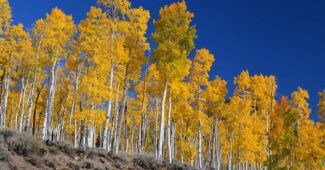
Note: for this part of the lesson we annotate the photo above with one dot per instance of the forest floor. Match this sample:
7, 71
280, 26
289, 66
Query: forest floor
20, 151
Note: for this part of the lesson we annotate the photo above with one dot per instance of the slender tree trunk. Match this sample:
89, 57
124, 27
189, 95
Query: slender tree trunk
75, 126
35, 109
156, 127
168, 129
162, 127
116, 114
173, 141
90, 136
229, 161
199, 129
73, 106
126, 139
46, 129
75, 134
132, 140
123, 110
113, 120
22, 113
199, 146
83, 134
10, 116
19, 103
214, 143
218, 146
142, 124
109, 109
5, 98
30, 105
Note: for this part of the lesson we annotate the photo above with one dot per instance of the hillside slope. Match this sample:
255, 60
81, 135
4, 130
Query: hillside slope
19, 151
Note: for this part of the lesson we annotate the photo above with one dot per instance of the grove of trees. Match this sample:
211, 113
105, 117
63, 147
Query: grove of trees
97, 84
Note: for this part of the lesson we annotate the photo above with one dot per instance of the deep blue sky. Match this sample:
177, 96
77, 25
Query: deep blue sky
280, 37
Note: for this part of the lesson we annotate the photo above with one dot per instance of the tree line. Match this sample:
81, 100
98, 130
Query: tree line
97, 84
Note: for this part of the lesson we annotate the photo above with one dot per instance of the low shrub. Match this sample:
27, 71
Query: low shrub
65, 147
35, 161
7, 133
4, 154
74, 165
147, 162
24, 145
87, 164
50, 163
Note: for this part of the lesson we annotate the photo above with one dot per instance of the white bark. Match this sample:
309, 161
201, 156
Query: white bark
199, 146
126, 139
173, 141
73, 108
90, 136
46, 129
162, 127
109, 110
120, 118
5, 98
75, 137
83, 135
199, 130
19, 103
142, 124
23, 105
214, 143
168, 129
30, 105
114, 121
229, 161
156, 127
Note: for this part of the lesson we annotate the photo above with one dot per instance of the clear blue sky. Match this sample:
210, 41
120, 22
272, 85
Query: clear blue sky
280, 37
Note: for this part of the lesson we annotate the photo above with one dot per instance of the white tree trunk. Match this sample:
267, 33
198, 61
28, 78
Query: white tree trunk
19, 104
199, 130
173, 141
83, 134
162, 127
168, 129
75, 135
120, 117
46, 129
218, 147
126, 139
5, 98
73, 108
90, 136
156, 127
214, 144
109, 110
229, 161
116, 113
30, 105
199, 146
23, 105
142, 123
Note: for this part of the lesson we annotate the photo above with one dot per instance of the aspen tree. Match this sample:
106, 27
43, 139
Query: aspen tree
5, 51
199, 76
215, 103
174, 37
57, 30
136, 46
